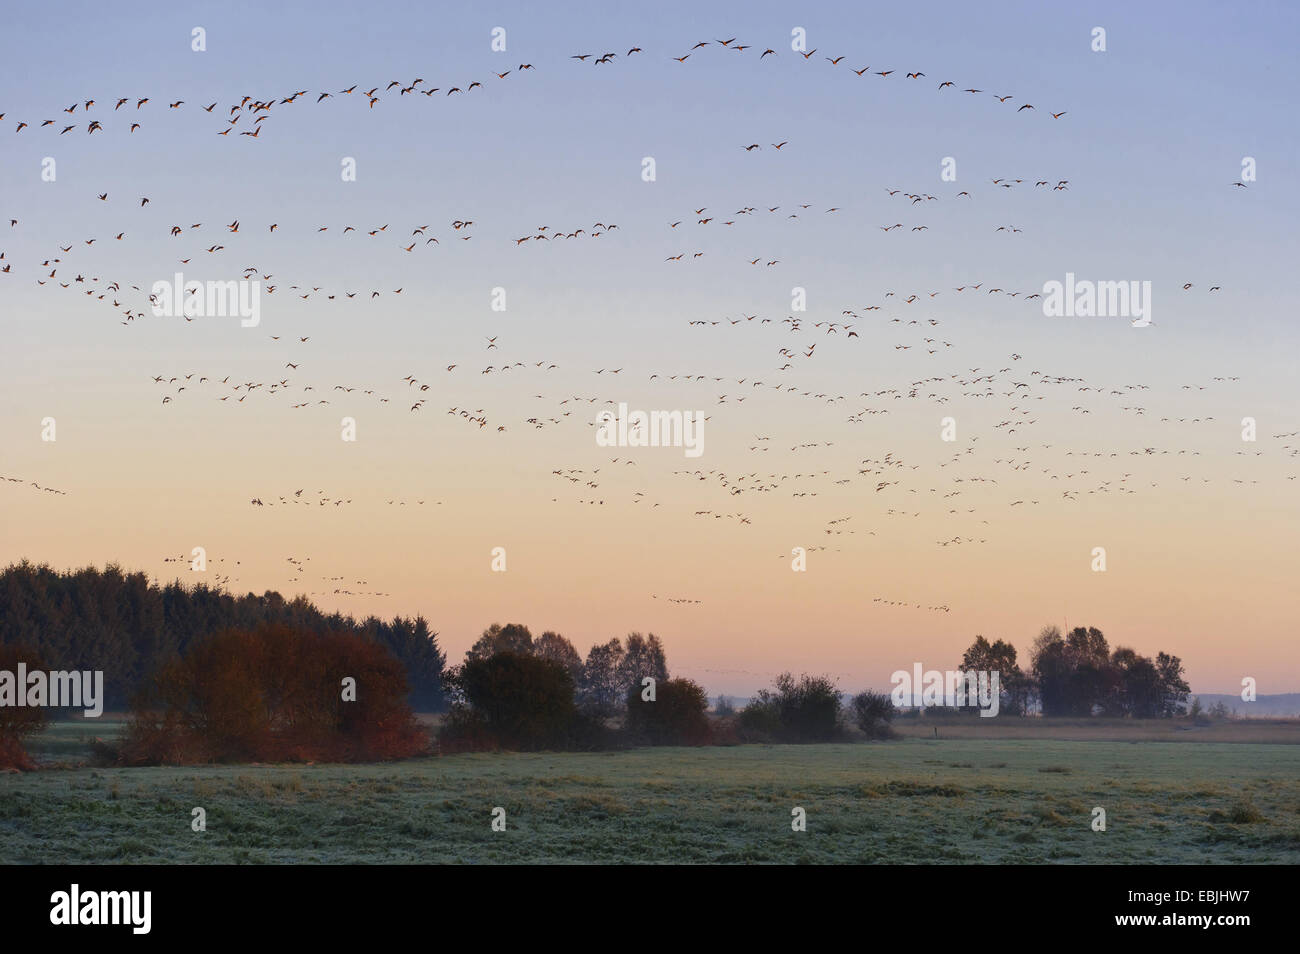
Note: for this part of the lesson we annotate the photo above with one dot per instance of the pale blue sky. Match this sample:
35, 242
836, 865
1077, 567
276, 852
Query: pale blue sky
1154, 134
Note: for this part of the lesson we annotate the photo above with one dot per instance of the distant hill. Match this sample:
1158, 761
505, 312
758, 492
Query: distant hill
1282, 704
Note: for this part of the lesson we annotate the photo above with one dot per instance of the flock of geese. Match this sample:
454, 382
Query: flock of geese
1014, 465
86, 113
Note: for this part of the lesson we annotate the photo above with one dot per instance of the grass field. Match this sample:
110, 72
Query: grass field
962, 800
1281, 731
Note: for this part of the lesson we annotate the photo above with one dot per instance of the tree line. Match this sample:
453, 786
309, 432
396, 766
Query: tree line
514, 689
128, 627
517, 691
1077, 674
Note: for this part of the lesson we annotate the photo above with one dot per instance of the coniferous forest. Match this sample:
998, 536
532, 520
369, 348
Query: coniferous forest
126, 625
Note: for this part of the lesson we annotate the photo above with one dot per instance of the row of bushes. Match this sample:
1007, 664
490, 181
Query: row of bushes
811, 709
280, 693
271, 695
515, 700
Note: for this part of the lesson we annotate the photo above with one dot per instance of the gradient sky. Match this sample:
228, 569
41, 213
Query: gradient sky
1201, 552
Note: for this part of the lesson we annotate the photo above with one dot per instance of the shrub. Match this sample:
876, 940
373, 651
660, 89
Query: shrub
588, 732
873, 712
511, 700
760, 720
677, 716
725, 730
464, 730
803, 710
17, 722
1219, 712
274, 694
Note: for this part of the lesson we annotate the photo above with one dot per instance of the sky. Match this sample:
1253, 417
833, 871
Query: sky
996, 528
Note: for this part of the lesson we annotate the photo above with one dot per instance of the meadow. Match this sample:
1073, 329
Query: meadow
914, 800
